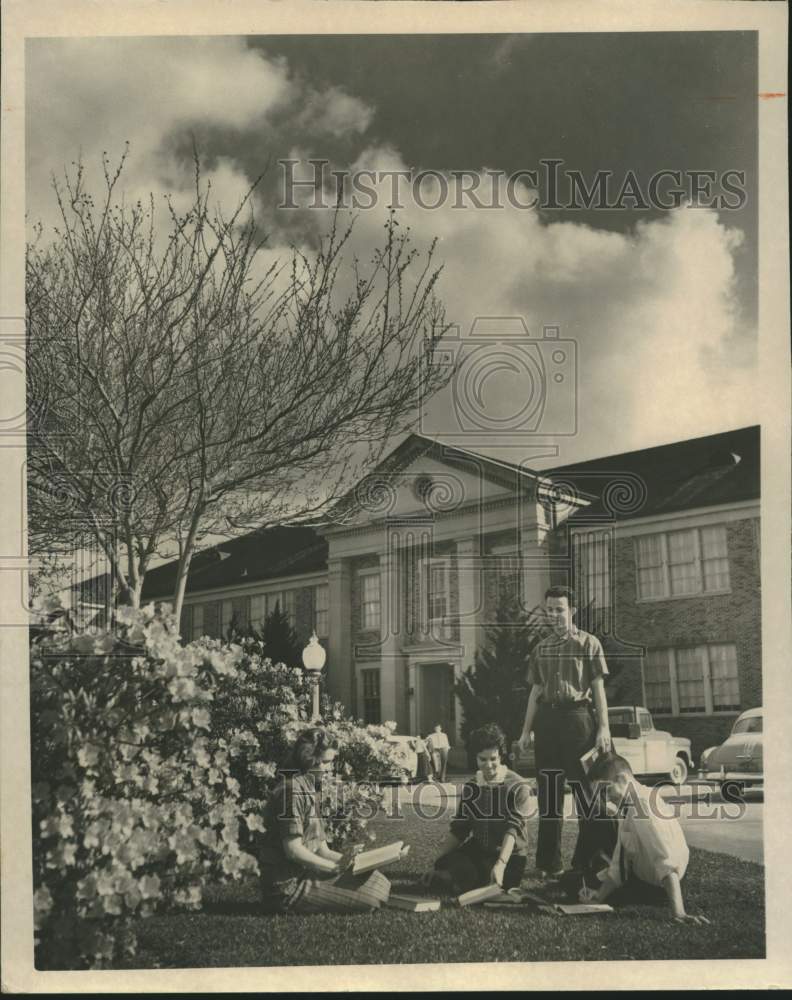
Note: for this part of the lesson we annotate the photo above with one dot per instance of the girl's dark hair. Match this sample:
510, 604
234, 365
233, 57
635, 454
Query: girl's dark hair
489, 736
307, 751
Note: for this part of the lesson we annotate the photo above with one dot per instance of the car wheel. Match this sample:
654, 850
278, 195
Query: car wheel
679, 772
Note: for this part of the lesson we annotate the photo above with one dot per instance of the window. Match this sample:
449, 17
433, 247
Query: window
197, 621
282, 599
753, 724
651, 575
657, 682
370, 617
507, 573
436, 601
681, 563
692, 680
723, 678
690, 670
321, 609
683, 569
258, 611
592, 569
372, 712
437, 591
212, 621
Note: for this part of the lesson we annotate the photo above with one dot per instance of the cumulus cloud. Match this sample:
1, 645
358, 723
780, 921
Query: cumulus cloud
663, 350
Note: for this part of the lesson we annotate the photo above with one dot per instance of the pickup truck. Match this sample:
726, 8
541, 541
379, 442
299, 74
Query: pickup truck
652, 753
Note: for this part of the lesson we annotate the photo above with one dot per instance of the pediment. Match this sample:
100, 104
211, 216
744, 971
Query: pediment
422, 477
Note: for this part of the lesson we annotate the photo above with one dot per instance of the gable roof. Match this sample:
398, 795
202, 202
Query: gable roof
702, 472
501, 473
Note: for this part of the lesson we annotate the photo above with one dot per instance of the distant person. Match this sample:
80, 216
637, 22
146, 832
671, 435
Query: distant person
299, 872
439, 747
568, 714
487, 841
423, 766
649, 856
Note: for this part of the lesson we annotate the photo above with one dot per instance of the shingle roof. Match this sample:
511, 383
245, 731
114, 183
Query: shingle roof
702, 472
262, 555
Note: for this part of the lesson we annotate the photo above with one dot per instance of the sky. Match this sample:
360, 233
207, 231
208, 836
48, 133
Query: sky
656, 307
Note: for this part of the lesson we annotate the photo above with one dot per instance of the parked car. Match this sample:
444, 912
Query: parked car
406, 756
740, 757
652, 753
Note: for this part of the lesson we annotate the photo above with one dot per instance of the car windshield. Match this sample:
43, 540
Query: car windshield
750, 725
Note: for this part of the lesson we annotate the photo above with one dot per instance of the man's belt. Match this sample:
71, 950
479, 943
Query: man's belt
566, 706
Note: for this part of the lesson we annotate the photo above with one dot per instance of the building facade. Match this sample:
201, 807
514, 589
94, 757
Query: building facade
662, 544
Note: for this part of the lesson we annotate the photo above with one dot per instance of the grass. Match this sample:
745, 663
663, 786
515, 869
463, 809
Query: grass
230, 931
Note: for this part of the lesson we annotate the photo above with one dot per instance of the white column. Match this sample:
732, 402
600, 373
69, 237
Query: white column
534, 557
340, 665
469, 609
393, 687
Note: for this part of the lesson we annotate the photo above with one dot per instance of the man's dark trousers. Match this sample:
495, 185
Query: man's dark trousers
562, 734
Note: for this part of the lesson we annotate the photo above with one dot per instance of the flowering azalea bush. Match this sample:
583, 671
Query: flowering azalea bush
151, 766
257, 715
134, 804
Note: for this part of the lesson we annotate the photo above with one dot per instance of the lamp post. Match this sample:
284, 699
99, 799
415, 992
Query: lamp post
313, 657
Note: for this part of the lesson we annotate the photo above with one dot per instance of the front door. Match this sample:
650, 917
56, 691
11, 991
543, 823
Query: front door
436, 698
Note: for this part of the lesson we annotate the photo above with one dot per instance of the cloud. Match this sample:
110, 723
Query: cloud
663, 349
90, 95
664, 352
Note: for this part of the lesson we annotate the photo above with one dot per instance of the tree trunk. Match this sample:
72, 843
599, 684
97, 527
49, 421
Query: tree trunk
184, 566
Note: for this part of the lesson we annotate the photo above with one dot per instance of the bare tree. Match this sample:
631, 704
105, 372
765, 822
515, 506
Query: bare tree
178, 389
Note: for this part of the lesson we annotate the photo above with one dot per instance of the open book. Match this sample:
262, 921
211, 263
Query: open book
415, 904
367, 861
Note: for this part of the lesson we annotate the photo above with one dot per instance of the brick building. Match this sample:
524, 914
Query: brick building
663, 545
668, 551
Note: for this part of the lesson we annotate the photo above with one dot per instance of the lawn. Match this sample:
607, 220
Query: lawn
231, 932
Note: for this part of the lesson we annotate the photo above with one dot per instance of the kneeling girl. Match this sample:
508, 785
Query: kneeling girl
487, 840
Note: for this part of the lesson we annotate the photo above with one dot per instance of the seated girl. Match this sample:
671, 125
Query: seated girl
487, 839
299, 872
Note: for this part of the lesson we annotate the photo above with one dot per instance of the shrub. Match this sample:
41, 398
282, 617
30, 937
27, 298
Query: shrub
133, 803
151, 766
256, 715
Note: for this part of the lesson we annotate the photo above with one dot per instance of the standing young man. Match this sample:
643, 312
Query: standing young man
438, 750
566, 674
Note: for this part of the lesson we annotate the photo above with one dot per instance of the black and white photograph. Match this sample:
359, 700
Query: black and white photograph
396, 427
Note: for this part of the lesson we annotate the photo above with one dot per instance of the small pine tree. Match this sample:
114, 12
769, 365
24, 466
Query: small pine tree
494, 688
280, 640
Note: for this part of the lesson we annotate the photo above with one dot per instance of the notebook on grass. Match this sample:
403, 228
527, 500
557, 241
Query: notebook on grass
577, 909
415, 904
